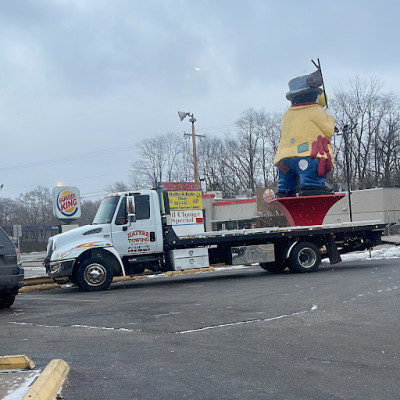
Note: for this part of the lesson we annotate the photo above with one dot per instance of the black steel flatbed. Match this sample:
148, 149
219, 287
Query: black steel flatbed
339, 232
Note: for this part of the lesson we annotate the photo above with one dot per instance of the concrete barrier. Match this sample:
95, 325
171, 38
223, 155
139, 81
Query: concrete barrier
46, 283
49, 382
33, 288
37, 280
16, 362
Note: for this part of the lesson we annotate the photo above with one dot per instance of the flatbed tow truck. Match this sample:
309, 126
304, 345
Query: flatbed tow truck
132, 232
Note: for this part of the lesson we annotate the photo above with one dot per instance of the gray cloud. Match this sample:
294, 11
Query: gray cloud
81, 76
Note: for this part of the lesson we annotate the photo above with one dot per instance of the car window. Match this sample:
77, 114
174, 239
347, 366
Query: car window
6, 245
142, 206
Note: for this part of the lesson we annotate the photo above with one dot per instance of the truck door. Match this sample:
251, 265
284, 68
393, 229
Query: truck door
137, 236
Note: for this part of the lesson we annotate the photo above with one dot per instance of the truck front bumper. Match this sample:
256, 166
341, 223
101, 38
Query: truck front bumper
60, 269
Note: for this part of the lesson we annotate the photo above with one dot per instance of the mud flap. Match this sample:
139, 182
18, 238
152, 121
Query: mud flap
333, 252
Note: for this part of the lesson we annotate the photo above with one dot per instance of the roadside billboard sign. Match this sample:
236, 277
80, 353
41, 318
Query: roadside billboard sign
186, 205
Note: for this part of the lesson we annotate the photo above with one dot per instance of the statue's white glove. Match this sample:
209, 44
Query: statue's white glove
329, 112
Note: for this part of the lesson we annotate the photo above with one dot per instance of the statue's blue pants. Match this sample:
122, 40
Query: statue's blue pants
295, 171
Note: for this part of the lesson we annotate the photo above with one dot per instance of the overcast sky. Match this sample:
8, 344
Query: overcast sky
83, 81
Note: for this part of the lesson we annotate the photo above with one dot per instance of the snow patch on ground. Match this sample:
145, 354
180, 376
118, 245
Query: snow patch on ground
106, 328
250, 321
19, 383
378, 254
232, 267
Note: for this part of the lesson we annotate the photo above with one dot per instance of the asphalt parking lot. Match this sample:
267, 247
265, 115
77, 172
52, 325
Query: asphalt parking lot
228, 334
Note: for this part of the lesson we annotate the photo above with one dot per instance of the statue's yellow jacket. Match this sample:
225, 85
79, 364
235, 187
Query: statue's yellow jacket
301, 126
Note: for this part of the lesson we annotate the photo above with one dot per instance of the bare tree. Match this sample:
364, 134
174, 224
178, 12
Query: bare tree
118, 186
8, 212
387, 144
242, 150
36, 209
270, 136
159, 160
88, 211
215, 166
372, 120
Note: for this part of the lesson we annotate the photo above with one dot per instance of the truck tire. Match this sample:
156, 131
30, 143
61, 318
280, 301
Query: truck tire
304, 257
94, 274
274, 267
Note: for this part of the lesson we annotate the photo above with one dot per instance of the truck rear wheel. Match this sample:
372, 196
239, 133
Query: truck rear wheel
304, 257
94, 274
274, 267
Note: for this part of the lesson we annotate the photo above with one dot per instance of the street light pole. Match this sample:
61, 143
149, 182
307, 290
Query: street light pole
182, 116
346, 156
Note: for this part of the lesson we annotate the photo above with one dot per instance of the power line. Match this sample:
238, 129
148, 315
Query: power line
70, 158
215, 128
70, 179
108, 151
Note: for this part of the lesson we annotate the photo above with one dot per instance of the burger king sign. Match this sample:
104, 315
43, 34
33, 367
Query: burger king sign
66, 203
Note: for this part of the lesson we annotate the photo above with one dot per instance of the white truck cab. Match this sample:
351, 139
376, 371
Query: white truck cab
126, 235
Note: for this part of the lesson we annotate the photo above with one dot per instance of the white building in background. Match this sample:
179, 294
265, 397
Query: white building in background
379, 204
226, 214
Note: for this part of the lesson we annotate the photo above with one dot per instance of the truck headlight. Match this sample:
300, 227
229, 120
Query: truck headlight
60, 255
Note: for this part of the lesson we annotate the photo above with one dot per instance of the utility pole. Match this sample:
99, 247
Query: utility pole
195, 173
182, 116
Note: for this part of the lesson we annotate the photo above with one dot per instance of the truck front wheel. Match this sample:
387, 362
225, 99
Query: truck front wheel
94, 274
304, 257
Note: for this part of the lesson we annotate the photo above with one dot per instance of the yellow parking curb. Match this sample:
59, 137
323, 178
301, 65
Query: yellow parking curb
45, 286
49, 381
168, 273
37, 280
46, 283
16, 362
122, 278
190, 271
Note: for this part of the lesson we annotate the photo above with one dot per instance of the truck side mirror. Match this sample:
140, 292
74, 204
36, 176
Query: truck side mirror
130, 203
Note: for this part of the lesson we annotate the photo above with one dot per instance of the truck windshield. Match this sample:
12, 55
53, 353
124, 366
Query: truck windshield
106, 210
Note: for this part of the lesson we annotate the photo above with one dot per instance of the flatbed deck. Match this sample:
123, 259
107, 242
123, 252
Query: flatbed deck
277, 234
272, 230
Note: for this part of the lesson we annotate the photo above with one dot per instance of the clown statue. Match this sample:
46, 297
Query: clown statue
304, 155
